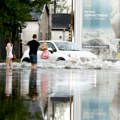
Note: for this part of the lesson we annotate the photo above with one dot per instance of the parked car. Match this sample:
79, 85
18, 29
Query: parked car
61, 50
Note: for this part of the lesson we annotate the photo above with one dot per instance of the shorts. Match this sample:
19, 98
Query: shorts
33, 58
9, 56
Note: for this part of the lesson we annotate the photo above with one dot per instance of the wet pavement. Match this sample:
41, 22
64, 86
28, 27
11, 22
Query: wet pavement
59, 94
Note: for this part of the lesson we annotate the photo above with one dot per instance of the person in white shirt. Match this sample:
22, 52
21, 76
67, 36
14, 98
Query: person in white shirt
9, 54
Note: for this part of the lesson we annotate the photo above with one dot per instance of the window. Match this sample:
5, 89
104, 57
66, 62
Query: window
50, 45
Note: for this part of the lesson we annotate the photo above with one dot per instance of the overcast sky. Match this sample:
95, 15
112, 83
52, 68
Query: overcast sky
69, 1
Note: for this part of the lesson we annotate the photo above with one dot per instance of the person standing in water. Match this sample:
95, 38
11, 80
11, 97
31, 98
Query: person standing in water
9, 55
33, 46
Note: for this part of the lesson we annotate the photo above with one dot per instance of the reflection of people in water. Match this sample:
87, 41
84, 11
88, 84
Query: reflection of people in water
8, 86
33, 84
44, 87
44, 91
34, 108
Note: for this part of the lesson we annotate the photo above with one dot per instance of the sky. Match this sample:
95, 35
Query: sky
69, 2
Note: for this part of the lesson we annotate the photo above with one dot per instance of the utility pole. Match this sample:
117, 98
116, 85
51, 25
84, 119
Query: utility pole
71, 23
78, 22
72, 17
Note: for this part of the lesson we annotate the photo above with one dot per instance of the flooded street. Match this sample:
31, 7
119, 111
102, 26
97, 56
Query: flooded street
59, 94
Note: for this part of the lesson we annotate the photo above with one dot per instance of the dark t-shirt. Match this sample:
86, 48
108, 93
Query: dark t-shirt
33, 44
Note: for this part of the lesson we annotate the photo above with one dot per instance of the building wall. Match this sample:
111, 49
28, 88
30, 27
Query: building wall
55, 34
39, 27
44, 26
32, 27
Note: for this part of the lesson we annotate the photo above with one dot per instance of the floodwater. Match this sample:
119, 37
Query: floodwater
59, 94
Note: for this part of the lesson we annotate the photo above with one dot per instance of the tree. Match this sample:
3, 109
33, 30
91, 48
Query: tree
60, 6
14, 13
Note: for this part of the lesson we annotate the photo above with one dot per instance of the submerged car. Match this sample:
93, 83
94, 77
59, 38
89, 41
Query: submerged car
61, 50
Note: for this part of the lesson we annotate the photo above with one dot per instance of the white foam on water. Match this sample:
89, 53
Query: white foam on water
92, 64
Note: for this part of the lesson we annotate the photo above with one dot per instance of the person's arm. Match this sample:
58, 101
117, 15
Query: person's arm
40, 47
24, 43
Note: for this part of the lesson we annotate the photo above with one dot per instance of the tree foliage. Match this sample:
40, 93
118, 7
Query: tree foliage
14, 13
60, 6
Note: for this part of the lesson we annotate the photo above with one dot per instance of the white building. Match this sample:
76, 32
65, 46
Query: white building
60, 26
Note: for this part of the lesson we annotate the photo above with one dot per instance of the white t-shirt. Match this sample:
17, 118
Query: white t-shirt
9, 49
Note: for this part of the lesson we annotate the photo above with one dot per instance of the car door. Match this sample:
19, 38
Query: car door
57, 54
53, 55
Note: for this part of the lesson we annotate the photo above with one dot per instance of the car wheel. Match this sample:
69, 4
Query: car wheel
60, 58
26, 59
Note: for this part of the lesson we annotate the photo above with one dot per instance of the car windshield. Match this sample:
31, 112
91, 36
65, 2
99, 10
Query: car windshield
67, 46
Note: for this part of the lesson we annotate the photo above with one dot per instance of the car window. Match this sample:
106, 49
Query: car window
67, 46
50, 45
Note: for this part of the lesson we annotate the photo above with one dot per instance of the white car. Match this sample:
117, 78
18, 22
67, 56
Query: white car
61, 50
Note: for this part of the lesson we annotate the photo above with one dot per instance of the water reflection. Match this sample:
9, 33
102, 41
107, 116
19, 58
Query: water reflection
53, 100
24, 82
33, 85
43, 92
12, 107
8, 86
34, 108
59, 108
59, 94
115, 106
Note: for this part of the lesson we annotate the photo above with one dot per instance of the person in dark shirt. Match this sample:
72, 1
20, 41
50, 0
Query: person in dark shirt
33, 45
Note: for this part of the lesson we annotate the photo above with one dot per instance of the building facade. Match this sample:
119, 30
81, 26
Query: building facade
60, 26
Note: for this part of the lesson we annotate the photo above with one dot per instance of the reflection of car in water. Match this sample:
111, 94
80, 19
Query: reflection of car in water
61, 50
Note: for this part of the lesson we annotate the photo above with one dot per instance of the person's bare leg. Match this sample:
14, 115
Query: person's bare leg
10, 64
33, 66
7, 63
